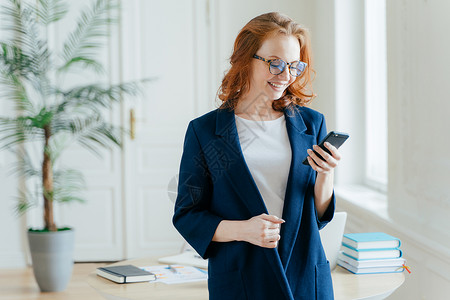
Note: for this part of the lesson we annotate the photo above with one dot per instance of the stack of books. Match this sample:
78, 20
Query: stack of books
371, 252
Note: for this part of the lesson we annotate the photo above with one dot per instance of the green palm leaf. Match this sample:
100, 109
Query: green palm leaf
11, 88
94, 97
89, 131
19, 19
25, 201
49, 11
102, 134
15, 62
14, 131
69, 185
24, 165
88, 37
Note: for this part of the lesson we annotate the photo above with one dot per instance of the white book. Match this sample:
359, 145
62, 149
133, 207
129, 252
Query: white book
370, 270
391, 262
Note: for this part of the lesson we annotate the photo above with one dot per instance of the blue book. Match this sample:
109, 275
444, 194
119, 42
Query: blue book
377, 253
370, 240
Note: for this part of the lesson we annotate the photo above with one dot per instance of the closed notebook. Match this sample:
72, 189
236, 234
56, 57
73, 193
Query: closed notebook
370, 270
370, 240
371, 253
125, 274
370, 263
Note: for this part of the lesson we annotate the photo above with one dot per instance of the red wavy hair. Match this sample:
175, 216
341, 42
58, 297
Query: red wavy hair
236, 81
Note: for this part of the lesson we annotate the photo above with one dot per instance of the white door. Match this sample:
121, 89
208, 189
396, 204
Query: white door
169, 44
99, 222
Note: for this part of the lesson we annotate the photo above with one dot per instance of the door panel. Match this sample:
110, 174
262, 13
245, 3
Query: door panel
163, 46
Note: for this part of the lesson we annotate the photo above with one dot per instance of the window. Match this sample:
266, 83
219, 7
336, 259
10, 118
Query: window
361, 93
375, 94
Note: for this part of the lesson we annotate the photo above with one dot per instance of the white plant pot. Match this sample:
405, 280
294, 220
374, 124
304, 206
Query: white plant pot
52, 258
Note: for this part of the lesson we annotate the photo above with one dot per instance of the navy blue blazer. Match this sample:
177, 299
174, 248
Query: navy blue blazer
215, 184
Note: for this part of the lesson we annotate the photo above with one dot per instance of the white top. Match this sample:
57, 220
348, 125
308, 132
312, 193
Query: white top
267, 152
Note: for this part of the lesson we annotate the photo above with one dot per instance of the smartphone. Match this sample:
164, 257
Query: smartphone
334, 138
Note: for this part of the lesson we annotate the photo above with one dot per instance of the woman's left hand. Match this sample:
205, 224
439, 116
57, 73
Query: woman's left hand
330, 161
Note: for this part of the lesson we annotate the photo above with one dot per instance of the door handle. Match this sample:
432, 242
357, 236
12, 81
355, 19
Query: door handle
132, 124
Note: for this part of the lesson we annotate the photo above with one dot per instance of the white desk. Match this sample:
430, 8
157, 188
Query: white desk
347, 286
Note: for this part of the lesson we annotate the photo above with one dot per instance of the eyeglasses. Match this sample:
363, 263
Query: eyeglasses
277, 66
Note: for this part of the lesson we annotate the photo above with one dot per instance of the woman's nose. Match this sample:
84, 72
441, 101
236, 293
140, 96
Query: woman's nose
285, 75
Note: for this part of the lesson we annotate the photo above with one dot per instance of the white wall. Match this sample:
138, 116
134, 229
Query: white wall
419, 161
418, 199
324, 54
419, 107
12, 243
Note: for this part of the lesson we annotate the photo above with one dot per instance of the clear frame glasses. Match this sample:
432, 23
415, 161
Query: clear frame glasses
277, 66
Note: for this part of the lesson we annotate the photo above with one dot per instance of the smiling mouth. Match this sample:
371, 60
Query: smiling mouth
277, 85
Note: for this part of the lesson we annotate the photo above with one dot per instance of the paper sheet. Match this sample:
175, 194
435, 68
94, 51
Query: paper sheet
173, 274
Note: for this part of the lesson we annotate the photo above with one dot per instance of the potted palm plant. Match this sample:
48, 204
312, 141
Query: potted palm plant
51, 114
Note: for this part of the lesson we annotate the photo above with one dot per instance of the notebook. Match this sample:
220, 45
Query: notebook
331, 236
125, 274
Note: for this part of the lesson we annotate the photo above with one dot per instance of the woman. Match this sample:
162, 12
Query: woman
245, 200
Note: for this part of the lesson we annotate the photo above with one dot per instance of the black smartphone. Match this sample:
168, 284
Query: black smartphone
334, 138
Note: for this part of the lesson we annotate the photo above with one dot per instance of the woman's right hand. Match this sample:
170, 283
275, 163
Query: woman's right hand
262, 230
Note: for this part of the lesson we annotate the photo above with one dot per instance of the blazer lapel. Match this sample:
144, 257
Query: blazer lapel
297, 185
236, 168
